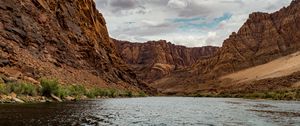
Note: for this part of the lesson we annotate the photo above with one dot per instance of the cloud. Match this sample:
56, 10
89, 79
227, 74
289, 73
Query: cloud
211, 37
121, 7
190, 24
123, 4
187, 22
178, 4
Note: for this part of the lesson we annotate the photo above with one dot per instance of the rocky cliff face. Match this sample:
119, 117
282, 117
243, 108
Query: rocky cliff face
63, 39
264, 37
155, 59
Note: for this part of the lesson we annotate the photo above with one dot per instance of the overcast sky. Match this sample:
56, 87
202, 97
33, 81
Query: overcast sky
184, 22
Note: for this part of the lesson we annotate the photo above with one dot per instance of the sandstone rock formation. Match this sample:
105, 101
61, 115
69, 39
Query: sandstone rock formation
264, 37
155, 59
63, 39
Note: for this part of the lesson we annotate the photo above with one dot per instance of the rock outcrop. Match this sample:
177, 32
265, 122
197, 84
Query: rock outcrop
62, 39
155, 59
263, 38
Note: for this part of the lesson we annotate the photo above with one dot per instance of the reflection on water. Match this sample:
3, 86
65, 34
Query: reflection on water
155, 111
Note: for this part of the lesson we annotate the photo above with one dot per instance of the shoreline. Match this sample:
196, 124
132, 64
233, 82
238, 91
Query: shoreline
287, 95
53, 91
22, 99
8, 99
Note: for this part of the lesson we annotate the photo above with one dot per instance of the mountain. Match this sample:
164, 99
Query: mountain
62, 39
154, 60
263, 37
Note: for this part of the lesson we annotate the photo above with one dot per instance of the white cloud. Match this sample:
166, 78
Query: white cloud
186, 22
178, 4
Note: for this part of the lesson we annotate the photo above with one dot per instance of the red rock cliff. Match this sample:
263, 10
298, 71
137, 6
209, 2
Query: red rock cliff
155, 59
63, 39
263, 38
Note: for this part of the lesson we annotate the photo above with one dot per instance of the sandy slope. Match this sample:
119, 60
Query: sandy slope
276, 68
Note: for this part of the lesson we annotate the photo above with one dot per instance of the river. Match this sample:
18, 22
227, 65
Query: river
160, 111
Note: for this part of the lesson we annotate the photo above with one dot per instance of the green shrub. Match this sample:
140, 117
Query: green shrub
95, 92
254, 95
77, 90
112, 93
30, 89
129, 94
62, 92
22, 89
270, 95
206, 95
102, 92
290, 95
3, 89
91, 93
50, 87
54, 87
142, 94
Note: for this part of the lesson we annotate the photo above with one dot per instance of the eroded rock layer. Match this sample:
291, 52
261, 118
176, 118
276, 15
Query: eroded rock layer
63, 39
155, 59
263, 38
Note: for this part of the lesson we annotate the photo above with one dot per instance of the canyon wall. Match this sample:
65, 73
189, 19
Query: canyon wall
263, 38
155, 59
62, 39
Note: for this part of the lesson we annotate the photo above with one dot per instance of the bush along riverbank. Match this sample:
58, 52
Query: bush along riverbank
287, 94
53, 91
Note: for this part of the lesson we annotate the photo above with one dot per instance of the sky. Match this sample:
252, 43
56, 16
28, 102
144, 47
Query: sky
191, 23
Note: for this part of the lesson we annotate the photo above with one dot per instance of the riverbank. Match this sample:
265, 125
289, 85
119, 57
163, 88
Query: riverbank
53, 91
284, 94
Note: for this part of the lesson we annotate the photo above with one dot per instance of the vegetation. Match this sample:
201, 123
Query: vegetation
19, 88
96, 92
50, 87
77, 90
142, 94
53, 87
293, 94
128, 94
22, 88
3, 89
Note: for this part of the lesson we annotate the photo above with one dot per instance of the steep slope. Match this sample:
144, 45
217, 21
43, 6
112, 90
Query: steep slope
280, 67
155, 59
263, 38
62, 39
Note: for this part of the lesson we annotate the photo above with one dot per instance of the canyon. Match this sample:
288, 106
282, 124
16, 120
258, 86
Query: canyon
154, 60
69, 41
263, 38
61, 51
64, 40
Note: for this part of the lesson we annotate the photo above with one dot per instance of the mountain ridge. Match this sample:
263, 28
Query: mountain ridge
155, 59
263, 38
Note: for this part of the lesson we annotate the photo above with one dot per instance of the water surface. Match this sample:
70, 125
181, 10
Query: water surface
161, 111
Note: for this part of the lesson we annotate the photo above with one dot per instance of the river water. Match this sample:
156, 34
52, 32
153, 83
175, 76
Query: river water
160, 111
